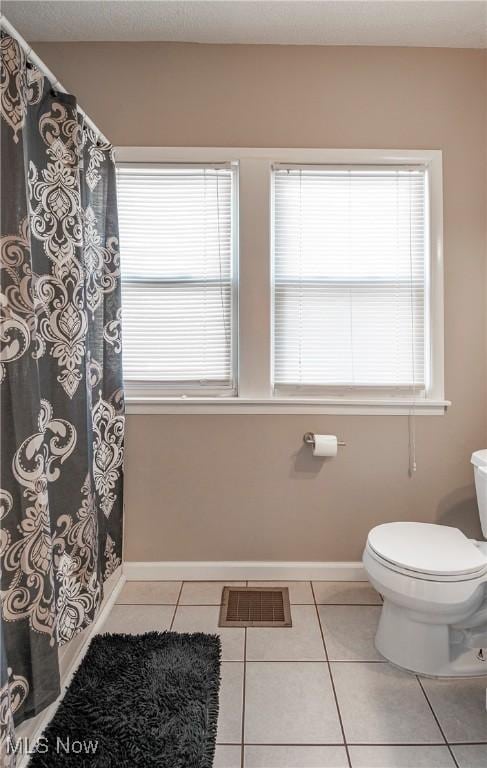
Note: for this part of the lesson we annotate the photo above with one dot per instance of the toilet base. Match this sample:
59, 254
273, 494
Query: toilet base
423, 648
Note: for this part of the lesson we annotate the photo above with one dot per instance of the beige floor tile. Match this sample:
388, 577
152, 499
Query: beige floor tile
295, 757
345, 593
227, 756
204, 618
231, 704
136, 619
150, 593
471, 755
459, 706
383, 705
401, 757
300, 592
349, 631
290, 703
205, 592
301, 642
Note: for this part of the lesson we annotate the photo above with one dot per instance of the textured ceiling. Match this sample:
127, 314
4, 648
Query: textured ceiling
451, 23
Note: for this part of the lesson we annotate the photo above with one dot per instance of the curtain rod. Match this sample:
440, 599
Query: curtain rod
34, 58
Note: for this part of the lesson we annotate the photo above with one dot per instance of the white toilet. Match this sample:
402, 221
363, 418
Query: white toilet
434, 584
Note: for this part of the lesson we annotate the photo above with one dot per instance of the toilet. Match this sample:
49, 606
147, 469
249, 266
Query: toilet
434, 583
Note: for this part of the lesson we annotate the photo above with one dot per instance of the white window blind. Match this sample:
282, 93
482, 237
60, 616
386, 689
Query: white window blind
349, 266
177, 258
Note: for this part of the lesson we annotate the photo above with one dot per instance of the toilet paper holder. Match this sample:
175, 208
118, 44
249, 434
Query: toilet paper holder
309, 439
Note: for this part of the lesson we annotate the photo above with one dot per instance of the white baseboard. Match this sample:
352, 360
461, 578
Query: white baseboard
235, 570
46, 716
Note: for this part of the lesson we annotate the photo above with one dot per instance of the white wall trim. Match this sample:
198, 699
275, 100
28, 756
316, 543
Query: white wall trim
243, 406
235, 570
91, 631
278, 155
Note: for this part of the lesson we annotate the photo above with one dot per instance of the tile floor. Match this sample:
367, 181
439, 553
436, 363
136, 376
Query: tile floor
317, 695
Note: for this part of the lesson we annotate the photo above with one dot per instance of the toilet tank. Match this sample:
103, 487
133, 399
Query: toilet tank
479, 461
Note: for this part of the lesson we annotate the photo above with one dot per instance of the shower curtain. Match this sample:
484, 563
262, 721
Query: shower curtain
61, 395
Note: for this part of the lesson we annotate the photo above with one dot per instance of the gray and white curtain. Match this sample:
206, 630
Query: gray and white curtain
61, 396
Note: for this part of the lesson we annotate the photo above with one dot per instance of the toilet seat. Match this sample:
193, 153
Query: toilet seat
426, 551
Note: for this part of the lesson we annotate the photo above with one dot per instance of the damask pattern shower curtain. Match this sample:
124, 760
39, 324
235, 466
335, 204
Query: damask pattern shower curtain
61, 396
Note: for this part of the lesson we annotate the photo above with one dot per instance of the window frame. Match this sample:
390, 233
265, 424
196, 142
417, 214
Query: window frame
253, 302
356, 391
136, 388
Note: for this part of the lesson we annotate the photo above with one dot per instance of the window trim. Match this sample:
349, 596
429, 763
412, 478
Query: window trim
254, 312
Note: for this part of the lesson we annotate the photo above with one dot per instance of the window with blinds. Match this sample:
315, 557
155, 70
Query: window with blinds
349, 265
178, 272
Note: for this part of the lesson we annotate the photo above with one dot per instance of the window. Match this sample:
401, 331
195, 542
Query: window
178, 254
349, 267
339, 280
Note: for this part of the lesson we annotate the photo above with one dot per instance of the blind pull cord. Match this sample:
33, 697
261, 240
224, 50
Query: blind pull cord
412, 412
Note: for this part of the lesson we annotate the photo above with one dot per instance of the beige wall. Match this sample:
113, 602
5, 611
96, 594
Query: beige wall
241, 487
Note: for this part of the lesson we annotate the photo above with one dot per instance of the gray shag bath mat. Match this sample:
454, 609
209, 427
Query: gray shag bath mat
138, 700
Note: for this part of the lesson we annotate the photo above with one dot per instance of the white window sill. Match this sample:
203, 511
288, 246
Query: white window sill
221, 405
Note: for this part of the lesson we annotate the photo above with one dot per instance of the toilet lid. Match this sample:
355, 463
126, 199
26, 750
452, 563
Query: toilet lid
427, 548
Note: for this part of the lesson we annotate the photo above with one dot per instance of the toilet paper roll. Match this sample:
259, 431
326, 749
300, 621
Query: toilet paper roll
325, 445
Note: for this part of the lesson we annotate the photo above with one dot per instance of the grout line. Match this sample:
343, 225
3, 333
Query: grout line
345, 605
243, 701
331, 678
467, 743
176, 606
228, 744
167, 605
150, 581
297, 660
351, 605
435, 744
293, 605
200, 605
242, 748
351, 743
359, 661
337, 744
437, 721
249, 581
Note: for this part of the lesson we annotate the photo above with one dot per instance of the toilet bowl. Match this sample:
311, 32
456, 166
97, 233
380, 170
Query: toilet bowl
433, 580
